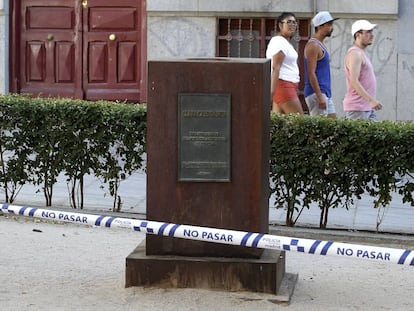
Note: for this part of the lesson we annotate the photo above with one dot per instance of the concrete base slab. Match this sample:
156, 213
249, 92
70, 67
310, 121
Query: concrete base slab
263, 275
286, 289
284, 295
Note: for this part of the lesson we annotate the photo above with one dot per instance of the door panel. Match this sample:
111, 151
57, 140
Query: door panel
98, 60
36, 57
111, 53
49, 65
126, 62
65, 52
41, 17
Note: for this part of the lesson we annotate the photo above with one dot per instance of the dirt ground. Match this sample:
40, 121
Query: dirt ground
50, 266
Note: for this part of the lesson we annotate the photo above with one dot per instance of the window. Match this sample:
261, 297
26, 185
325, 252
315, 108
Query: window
248, 37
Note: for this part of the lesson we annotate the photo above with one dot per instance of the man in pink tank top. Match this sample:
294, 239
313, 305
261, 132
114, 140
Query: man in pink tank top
360, 100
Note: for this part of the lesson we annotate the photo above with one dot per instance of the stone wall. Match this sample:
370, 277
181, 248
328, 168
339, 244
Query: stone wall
186, 28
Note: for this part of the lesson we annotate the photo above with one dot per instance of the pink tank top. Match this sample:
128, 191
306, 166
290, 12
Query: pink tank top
353, 101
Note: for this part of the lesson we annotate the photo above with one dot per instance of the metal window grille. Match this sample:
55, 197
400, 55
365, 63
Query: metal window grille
249, 37
239, 37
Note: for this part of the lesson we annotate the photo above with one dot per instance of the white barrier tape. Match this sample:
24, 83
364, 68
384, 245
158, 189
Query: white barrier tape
230, 237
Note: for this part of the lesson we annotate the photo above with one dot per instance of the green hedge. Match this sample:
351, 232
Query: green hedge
42, 138
313, 159
332, 162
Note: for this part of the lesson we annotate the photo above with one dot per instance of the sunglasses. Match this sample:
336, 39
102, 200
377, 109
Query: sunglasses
290, 22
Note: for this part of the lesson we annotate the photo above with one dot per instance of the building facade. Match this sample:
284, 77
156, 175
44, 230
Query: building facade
211, 28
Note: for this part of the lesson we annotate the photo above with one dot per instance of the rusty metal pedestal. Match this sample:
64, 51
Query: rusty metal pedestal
264, 275
208, 150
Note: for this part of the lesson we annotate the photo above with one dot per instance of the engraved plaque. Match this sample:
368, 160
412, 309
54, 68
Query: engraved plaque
204, 137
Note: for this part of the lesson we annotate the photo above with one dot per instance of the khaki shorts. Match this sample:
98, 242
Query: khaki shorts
313, 105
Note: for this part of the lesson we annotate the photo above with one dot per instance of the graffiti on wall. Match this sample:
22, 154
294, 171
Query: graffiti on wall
407, 67
382, 52
179, 37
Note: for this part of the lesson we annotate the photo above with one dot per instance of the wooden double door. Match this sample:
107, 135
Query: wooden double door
88, 49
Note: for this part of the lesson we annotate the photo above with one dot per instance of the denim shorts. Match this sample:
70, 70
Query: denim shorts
361, 115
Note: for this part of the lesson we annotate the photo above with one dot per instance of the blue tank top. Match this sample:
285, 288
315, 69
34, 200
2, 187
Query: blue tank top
323, 73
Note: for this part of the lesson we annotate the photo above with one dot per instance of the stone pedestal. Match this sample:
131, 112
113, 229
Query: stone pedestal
208, 150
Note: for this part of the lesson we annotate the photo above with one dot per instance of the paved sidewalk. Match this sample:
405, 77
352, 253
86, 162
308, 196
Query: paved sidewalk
72, 259
50, 266
397, 218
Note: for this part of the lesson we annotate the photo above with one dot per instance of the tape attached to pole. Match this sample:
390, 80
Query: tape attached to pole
223, 236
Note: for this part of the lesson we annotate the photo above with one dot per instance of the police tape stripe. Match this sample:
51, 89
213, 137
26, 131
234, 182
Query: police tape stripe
223, 236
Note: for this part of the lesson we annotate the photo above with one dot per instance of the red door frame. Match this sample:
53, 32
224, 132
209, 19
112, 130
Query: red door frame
15, 49
144, 67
